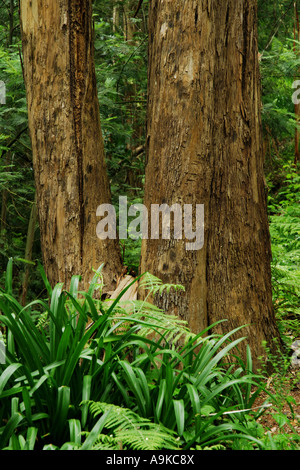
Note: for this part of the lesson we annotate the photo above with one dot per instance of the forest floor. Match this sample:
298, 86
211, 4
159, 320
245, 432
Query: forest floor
286, 403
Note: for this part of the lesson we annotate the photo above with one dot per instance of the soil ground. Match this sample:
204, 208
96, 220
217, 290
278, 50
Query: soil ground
285, 391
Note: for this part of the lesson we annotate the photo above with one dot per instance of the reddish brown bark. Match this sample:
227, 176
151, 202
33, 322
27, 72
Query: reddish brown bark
68, 154
204, 145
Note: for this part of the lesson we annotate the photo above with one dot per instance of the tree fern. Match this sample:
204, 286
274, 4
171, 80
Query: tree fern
129, 431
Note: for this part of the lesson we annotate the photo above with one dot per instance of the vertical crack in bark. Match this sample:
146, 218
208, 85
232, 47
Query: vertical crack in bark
196, 15
245, 45
77, 15
227, 27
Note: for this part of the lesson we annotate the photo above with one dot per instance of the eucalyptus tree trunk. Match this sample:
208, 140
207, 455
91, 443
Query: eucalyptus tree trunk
68, 153
204, 146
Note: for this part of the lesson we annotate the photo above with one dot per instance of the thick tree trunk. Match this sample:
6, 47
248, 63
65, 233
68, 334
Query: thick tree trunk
204, 147
68, 154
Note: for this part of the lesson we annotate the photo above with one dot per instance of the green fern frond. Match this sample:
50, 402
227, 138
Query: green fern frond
43, 320
131, 430
154, 285
290, 277
106, 442
153, 321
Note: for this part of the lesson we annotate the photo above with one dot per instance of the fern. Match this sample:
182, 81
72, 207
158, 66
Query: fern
43, 321
174, 328
154, 321
285, 235
107, 442
128, 430
154, 285
151, 319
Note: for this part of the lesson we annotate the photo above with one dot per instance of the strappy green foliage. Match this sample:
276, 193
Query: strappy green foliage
90, 351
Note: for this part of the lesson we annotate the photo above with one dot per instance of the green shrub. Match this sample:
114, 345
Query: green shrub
285, 236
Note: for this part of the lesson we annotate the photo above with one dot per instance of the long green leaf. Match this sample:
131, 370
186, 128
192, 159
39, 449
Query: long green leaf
86, 395
45, 279
9, 277
179, 414
204, 374
56, 319
24, 338
95, 280
31, 436
93, 435
134, 386
62, 410
160, 399
7, 374
75, 431
27, 405
9, 428
73, 358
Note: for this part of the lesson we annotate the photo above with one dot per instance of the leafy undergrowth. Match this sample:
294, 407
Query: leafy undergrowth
282, 418
284, 210
92, 376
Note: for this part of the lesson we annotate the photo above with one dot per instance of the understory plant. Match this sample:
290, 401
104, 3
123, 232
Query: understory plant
285, 235
112, 374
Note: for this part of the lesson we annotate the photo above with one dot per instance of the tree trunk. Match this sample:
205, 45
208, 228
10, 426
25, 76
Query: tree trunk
204, 146
116, 17
68, 153
11, 22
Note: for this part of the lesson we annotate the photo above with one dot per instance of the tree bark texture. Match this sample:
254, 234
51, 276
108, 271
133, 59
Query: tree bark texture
68, 152
204, 146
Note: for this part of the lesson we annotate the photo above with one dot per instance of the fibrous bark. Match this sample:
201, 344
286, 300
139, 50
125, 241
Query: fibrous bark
68, 153
204, 146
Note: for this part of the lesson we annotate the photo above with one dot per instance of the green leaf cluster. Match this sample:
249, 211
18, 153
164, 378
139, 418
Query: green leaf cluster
285, 237
92, 375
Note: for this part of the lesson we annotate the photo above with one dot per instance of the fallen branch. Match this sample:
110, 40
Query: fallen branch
239, 411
